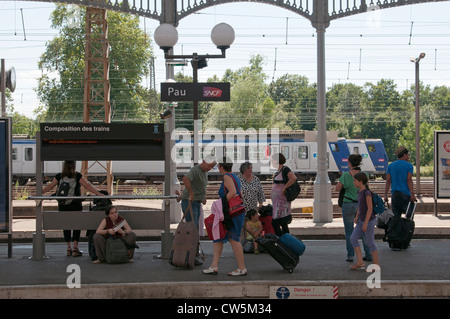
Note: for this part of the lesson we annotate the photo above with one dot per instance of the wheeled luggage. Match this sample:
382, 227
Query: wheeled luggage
185, 243
283, 255
293, 243
401, 230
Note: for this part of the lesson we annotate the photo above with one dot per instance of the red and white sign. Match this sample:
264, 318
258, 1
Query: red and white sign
447, 146
304, 292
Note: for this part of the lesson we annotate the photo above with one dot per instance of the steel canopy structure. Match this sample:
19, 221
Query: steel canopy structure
319, 12
159, 9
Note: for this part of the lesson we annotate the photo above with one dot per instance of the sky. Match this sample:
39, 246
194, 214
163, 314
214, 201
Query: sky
361, 48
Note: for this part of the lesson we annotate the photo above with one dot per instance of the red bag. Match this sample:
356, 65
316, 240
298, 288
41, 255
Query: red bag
235, 203
236, 206
266, 222
209, 221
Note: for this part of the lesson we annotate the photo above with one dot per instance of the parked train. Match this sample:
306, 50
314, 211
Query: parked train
299, 148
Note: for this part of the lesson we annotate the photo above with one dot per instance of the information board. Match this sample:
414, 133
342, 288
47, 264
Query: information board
102, 141
442, 164
5, 175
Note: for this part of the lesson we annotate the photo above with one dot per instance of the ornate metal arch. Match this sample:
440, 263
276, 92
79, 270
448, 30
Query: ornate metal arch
174, 10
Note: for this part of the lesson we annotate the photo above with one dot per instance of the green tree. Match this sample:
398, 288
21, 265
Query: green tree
297, 98
345, 109
384, 115
249, 106
61, 89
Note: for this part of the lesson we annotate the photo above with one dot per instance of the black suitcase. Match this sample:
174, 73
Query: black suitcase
400, 230
283, 255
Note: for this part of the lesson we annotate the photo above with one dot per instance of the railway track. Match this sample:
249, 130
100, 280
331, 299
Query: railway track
141, 188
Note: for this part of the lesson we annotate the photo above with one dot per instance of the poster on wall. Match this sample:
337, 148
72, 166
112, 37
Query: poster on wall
442, 164
5, 176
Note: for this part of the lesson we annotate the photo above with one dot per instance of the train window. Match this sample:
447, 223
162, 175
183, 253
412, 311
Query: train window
183, 155
285, 151
28, 154
371, 148
302, 152
334, 147
234, 153
14, 154
209, 151
356, 150
253, 153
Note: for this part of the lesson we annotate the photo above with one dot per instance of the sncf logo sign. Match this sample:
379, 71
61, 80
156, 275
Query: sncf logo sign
209, 91
217, 91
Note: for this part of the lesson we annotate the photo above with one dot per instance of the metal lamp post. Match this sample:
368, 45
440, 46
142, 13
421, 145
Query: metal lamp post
166, 36
417, 88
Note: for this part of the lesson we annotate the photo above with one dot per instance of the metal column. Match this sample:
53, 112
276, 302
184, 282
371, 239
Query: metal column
323, 205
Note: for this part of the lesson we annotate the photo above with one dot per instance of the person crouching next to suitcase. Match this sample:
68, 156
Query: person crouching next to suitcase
106, 228
365, 221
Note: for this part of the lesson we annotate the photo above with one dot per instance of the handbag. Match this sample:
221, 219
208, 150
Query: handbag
384, 218
292, 191
235, 203
209, 221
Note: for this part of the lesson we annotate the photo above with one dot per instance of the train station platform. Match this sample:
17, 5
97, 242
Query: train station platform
419, 271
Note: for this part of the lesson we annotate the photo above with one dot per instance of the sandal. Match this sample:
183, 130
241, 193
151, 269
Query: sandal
238, 272
76, 252
211, 271
69, 252
358, 267
97, 261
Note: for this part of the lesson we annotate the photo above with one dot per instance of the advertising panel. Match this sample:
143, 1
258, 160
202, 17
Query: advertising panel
442, 164
5, 176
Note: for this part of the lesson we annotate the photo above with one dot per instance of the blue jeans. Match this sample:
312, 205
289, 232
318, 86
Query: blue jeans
196, 209
348, 215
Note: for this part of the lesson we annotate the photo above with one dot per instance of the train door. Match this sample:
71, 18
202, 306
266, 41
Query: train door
302, 154
378, 156
16, 159
340, 152
27, 159
359, 147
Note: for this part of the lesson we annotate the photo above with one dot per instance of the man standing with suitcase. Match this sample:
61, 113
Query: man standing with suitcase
195, 183
399, 178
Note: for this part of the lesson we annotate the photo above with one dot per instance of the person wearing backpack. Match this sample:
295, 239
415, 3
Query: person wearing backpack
350, 205
365, 221
69, 183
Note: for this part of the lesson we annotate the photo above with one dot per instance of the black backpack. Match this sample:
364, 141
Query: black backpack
68, 186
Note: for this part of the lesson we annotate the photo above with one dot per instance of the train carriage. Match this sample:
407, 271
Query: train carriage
299, 148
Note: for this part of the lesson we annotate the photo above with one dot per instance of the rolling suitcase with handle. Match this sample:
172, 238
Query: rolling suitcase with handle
282, 254
400, 230
185, 243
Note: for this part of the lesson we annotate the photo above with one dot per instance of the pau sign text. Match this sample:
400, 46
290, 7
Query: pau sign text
195, 92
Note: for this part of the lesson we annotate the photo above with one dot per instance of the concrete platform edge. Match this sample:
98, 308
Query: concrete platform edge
224, 289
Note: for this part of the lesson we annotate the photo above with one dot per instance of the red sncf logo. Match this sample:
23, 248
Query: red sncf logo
447, 146
211, 92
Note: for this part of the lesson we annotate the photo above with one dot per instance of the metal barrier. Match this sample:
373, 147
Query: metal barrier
141, 219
